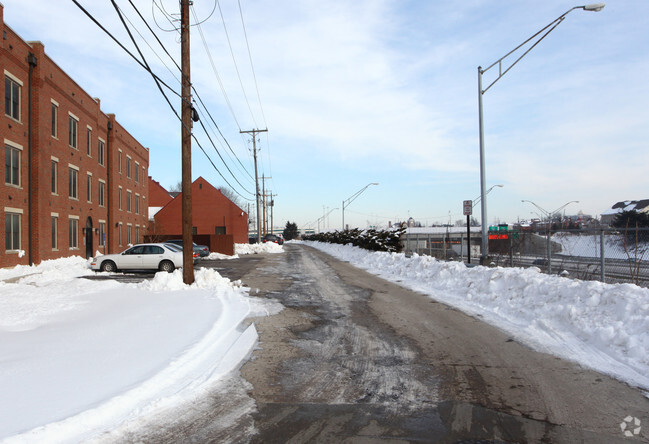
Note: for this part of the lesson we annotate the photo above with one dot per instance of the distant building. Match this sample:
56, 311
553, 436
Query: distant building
212, 213
75, 181
641, 206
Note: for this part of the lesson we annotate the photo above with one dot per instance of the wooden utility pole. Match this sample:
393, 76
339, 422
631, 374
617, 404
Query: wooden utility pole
188, 248
265, 202
257, 197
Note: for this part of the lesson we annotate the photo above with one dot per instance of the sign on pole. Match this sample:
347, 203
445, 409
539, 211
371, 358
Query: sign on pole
468, 207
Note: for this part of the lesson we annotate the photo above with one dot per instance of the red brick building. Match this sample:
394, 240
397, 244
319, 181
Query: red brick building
212, 213
75, 181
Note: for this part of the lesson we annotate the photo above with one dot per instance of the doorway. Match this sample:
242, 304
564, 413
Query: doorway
88, 231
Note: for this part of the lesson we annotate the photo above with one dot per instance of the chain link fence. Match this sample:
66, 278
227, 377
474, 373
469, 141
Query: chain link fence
607, 255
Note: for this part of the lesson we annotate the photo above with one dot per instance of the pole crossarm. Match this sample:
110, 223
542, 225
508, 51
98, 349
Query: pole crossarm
543, 33
351, 198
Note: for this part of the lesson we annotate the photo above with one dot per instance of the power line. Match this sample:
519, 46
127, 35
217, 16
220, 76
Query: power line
252, 66
236, 67
218, 78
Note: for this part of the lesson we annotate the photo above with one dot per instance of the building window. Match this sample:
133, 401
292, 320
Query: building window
12, 231
102, 234
137, 204
55, 120
137, 234
119, 161
55, 232
128, 201
128, 167
73, 126
89, 188
119, 198
128, 234
12, 165
137, 172
55, 177
102, 191
12, 98
73, 233
73, 183
119, 234
100, 152
89, 141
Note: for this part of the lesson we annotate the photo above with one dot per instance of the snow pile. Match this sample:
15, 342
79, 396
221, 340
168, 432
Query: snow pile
81, 356
602, 326
268, 247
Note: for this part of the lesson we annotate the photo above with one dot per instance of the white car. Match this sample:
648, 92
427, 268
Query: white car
141, 257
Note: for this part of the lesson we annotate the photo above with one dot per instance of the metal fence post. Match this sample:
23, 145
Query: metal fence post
602, 271
549, 267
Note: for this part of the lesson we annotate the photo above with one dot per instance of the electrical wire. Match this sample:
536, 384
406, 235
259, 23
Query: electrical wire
166, 15
90, 16
252, 66
218, 78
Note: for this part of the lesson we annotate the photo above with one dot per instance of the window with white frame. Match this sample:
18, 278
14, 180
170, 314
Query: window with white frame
128, 233
119, 198
55, 231
13, 88
12, 229
119, 234
137, 203
102, 192
55, 119
12, 163
137, 234
128, 200
89, 188
102, 233
73, 233
55, 175
101, 151
137, 172
89, 141
73, 130
119, 161
128, 167
73, 182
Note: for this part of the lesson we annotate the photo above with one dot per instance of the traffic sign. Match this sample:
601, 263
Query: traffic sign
468, 207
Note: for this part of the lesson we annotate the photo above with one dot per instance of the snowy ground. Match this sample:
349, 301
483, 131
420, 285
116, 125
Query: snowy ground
589, 245
601, 326
79, 356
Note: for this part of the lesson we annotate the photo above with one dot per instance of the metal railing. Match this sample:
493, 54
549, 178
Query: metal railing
607, 255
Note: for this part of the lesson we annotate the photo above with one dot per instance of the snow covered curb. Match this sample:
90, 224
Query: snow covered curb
601, 326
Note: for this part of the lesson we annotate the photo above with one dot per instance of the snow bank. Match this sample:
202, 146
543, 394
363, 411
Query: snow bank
80, 357
268, 247
602, 326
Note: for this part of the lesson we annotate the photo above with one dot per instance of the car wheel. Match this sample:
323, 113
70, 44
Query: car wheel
167, 266
108, 266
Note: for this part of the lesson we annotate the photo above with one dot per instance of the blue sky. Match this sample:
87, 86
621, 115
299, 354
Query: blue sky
383, 91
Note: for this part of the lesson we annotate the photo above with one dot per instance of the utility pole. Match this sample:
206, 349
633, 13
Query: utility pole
265, 202
254, 152
272, 204
188, 250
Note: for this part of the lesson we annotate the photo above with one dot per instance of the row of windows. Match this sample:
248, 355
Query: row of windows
13, 89
13, 232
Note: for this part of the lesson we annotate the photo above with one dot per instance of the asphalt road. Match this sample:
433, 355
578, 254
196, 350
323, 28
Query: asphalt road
354, 358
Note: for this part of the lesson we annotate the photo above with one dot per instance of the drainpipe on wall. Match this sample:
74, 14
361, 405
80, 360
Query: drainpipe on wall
109, 226
31, 59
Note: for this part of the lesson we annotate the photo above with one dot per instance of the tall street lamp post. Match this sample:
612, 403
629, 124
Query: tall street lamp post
540, 35
350, 199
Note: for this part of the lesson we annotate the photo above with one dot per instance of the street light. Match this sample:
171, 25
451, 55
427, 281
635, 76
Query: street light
479, 198
548, 215
483, 180
323, 218
350, 199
